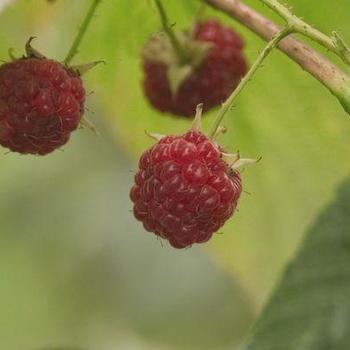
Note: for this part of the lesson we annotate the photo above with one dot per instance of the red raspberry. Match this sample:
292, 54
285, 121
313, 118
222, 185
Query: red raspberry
210, 83
184, 191
41, 103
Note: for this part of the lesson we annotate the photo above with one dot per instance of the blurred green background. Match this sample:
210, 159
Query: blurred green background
77, 270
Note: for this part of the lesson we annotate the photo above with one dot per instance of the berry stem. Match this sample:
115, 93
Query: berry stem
333, 43
182, 54
227, 105
83, 28
197, 18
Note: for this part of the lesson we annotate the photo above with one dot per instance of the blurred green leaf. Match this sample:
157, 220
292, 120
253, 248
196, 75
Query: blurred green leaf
310, 309
4, 3
60, 347
284, 115
83, 255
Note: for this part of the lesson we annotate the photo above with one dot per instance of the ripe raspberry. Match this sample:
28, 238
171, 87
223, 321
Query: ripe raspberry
184, 191
210, 82
41, 103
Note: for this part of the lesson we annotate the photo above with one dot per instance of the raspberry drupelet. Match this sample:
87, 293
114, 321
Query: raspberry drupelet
211, 78
41, 102
186, 188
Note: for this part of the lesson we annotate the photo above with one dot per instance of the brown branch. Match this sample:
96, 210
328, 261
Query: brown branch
337, 81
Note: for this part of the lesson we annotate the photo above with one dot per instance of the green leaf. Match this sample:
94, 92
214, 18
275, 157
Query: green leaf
284, 115
310, 309
60, 348
4, 3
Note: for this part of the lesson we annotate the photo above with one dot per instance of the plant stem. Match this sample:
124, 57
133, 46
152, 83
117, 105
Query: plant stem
333, 43
327, 73
229, 102
87, 20
170, 33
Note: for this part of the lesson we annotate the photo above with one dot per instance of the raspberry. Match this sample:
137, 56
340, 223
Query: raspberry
184, 191
210, 82
41, 103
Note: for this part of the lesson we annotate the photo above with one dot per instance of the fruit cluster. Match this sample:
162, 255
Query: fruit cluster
186, 186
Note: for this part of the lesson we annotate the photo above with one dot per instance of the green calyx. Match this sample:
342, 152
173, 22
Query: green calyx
179, 67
